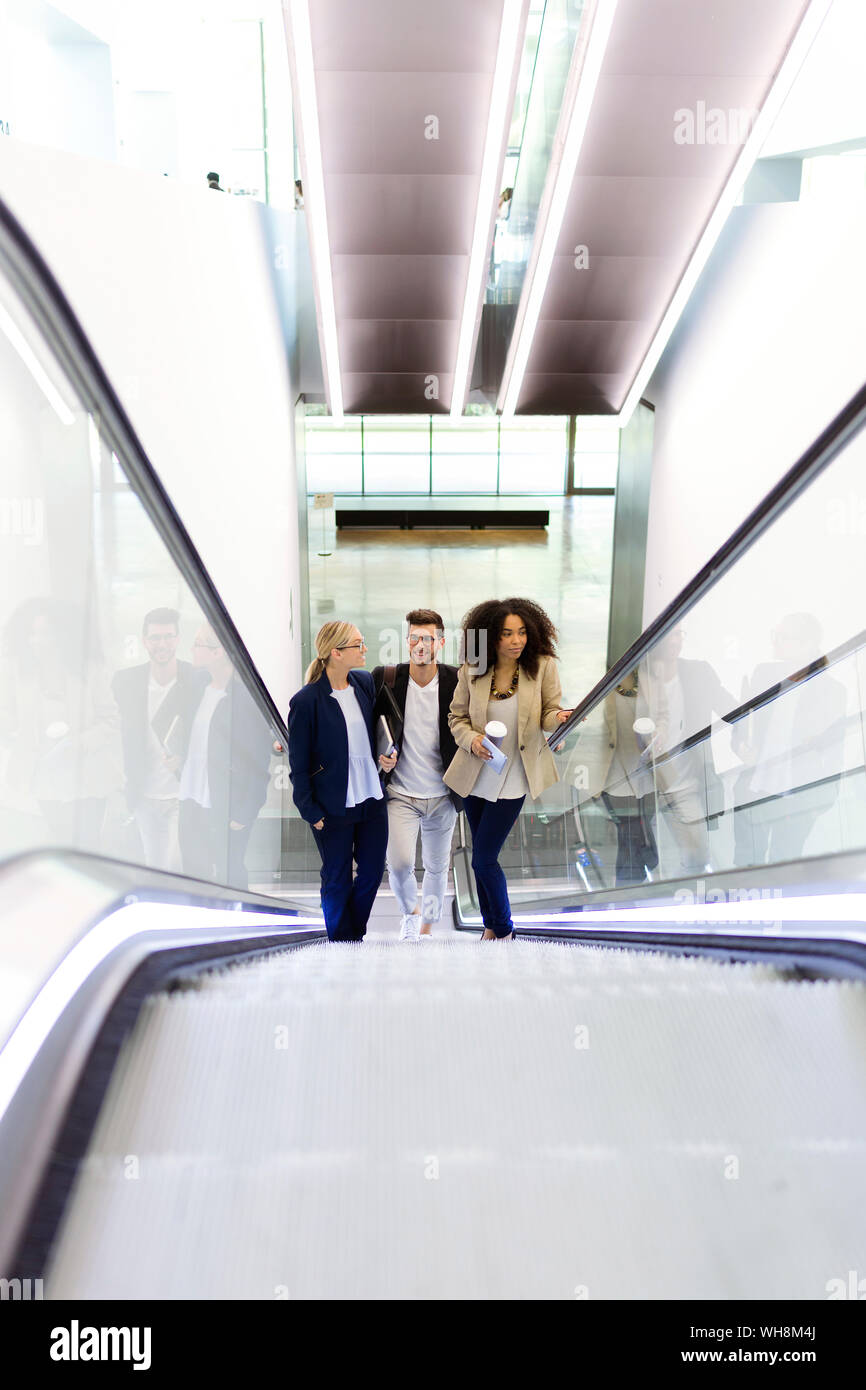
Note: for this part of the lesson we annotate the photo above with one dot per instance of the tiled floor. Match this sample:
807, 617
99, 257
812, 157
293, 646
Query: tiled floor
374, 577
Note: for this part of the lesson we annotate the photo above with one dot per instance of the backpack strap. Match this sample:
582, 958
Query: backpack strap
390, 676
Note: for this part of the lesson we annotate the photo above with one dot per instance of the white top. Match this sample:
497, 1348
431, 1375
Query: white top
680, 772
511, 781
419, 767
363, 777
159, 782
627, 775
193, 779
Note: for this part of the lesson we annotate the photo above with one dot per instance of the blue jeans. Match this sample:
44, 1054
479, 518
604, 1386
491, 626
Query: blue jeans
490, 823
362, 835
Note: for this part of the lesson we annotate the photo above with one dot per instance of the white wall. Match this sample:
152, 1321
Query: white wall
771, 347
55, 80
827, 103
172, 285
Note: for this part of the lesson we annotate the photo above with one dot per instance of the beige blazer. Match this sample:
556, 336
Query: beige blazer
537, 704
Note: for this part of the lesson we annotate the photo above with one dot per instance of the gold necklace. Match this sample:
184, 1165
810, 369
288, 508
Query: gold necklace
500, 695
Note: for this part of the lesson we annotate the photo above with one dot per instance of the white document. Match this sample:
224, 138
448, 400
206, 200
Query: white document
499, 759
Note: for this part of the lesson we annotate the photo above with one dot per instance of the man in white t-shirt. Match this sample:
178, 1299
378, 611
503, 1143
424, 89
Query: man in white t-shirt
415, 697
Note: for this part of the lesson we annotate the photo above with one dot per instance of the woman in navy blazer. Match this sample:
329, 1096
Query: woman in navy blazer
335, 780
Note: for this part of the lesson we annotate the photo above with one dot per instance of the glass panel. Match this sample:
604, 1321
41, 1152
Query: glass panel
124, 729
533, 454
465, 455
333, 454
596, 455
515, 226
739, 741
396, 453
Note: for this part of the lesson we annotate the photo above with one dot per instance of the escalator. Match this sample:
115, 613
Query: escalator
657, 1091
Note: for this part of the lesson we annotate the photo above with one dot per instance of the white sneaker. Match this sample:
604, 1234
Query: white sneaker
410, 926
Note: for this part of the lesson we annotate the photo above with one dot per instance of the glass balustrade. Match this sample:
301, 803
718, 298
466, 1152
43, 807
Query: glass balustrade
125, 728
738, 740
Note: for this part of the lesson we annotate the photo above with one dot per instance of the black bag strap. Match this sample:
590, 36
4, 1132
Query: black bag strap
389, 676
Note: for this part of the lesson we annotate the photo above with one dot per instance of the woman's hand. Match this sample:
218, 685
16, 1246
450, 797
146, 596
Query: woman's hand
478, 750
319, 825
387, 762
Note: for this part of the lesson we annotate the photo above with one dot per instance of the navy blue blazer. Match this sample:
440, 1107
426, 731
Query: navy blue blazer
319, 745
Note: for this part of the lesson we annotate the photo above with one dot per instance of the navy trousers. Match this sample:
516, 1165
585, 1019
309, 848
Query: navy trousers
361, 835
490, 823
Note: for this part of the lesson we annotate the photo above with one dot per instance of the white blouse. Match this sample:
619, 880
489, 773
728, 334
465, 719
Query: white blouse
511, 781
363, 776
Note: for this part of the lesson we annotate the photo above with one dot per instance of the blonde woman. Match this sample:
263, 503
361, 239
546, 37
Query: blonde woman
335, 779
512, 679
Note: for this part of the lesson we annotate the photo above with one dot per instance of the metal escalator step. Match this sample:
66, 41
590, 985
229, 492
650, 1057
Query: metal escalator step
515, 1120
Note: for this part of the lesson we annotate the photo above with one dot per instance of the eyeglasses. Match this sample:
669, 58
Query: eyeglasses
421, 637
362, 646
209, 646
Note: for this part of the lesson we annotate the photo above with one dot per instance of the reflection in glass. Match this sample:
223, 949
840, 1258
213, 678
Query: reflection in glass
739, 739
124, 729
527, 168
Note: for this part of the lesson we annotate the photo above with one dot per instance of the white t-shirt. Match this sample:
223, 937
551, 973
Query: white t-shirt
363, 780
418, 771
194, 781
159, 781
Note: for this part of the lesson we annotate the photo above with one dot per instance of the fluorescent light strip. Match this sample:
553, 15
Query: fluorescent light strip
298, 20
35, 368
829, 908
782, 83
136, 920
512, 29
585, 72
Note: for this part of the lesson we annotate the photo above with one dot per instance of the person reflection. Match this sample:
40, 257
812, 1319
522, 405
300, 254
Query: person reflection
791, 745
156, 702
224, 779
683, 699
627, 784
59, 721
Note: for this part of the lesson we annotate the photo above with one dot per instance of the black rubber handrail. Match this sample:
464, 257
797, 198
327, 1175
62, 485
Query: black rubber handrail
816, 458
38, 289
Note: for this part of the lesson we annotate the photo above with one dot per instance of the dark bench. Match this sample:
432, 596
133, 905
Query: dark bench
455, 518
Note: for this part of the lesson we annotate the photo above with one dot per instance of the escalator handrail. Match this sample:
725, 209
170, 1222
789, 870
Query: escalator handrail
790, 486
40, 293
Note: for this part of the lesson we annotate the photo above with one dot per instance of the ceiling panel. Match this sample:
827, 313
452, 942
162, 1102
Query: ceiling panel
398, 35
641, 198
401, 208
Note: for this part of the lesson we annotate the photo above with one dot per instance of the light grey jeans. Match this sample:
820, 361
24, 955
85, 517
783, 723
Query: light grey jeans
435, 817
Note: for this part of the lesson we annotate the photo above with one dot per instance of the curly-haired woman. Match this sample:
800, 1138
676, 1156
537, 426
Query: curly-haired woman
509, 674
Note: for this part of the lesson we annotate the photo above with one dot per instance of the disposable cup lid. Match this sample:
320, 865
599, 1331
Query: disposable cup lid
495, 729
